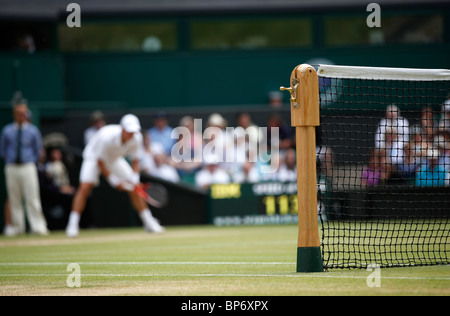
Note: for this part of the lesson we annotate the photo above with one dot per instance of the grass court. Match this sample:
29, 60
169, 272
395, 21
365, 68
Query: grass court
190, 261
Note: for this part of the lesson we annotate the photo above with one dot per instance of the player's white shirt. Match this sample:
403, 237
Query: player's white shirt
106, 145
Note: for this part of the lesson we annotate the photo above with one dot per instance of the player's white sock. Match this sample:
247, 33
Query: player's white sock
146, 216
72, 228
150, 223
74, 218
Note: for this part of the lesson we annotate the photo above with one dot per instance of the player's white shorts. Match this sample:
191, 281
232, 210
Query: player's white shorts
90, 171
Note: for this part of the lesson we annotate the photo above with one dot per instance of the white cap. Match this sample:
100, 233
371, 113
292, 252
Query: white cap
130, 123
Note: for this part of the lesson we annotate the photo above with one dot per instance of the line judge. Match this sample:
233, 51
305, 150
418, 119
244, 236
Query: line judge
20, 147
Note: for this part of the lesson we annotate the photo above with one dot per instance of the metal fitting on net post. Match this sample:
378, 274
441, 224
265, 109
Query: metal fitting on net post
293, 91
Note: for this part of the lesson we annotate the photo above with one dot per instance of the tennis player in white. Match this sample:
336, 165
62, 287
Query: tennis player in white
105, 154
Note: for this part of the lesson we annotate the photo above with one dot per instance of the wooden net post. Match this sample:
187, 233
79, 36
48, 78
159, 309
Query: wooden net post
305, 117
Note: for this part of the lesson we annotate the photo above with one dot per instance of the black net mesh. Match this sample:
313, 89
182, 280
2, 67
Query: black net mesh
384, 172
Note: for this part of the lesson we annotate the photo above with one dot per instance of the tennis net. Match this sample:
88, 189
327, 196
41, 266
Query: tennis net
383, 149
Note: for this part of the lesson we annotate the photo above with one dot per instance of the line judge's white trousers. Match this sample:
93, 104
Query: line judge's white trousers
22, 184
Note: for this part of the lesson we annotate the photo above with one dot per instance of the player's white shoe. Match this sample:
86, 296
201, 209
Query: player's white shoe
72, 231
42, 232
73, 225
153, 226
10, 231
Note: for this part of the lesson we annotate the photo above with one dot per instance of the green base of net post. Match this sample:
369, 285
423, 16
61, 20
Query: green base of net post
309, 259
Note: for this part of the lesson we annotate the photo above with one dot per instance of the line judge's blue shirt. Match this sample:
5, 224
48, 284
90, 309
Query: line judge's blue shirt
31, 143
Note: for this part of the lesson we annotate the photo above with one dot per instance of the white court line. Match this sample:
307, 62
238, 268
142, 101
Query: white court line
299, 275
142, 263
312, 275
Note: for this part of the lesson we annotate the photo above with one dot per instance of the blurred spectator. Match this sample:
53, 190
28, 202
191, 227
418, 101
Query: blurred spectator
60, 182
237, 150
243, 142
418, 144
161, 132
54, 196
97, 120
377, 169
394, 153
431, 173
285, 133
248, 171
215, 137
444, 122
411, 162
288, 169
393, 146
211, 173
324, 156
147, 155
164, 170
444, 134
443, 145
415, 152
393, 119
193, 144
244, 120
427, 124
56, 168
